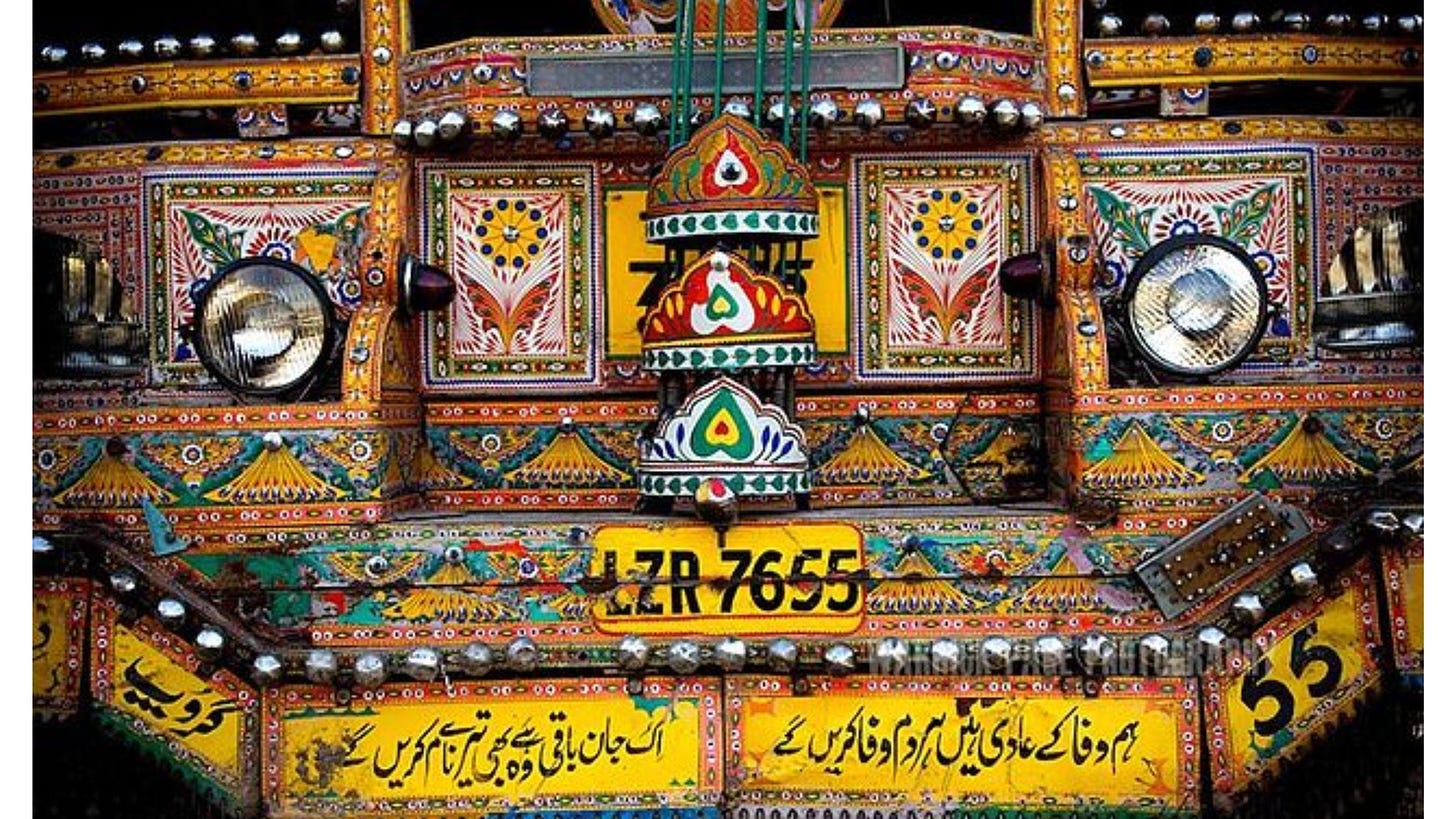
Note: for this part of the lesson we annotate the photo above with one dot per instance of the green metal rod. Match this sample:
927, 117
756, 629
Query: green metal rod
718, 49
760, 61
688, 70
788, 66
808, 33
674, 129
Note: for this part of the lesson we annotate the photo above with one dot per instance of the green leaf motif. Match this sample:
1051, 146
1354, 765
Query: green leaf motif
1240, 221
219, 247
1129, 226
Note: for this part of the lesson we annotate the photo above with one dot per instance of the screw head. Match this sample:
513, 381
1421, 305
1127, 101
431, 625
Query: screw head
93, 53
892, 655
738, 108
244, 44
731, 654
209, 642
945, 656
684, 657
1005, 114
920, 113
1156, 25
868, 114
1153, 651
267, 670
839, 659
476, 658
202, 46
454, 124
403, 133
166, 47
647, 119
422, 664
824, 114
1109, 25
996, 655
332, 41
272, 441
1032, 116
552, 123
1050, 653
1303, 578
171, 612
505, 125
633, 652
522, 654
1248, 609
1095, 652
600, 122
783, 655
123, 582
370, 670
1244, 22
971, 109
131, 49
320, 666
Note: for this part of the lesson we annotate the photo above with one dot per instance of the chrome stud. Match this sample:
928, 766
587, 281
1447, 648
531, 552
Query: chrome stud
476, 658
684, 657
370, 670
320, 666
730, 654
868, 114
971, 109
633, 653
839, 659
783, 655
422, 664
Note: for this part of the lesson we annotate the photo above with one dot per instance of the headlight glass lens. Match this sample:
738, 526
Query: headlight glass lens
1196, 305
262, 326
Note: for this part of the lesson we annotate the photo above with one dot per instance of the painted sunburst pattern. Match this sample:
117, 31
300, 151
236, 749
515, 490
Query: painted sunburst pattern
944, 244
200, 226
509, 260
522, 245
930, 234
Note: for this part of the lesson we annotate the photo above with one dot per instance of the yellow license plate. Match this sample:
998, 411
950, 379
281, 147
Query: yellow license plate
800, 578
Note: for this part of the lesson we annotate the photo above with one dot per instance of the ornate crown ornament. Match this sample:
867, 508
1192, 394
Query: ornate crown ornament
723, 315
723, 431
730, 180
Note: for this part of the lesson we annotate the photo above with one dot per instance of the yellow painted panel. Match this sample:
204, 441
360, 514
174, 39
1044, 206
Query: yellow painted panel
546, 743
52, 645
771, 579
626, 242
996, 741
172, 702
1414, 589
1311, 673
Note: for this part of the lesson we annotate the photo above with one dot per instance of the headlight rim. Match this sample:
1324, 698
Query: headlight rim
328, 346
1150, 261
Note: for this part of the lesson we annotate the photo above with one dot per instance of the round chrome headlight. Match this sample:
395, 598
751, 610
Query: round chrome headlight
1196, 305
263, 326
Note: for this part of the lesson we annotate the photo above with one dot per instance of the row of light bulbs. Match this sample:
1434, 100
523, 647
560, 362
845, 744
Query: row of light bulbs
647, 119
1246, 22
202, 46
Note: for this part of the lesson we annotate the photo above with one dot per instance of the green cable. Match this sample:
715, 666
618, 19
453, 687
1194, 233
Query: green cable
760, 60
718, 58
804, 82
677, 109
788, 65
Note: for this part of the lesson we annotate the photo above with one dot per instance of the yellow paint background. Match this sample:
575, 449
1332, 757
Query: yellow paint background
1338, 627
220, 747
398, 722
626, 242
49, 675
744, 618
766, 718
1414, 589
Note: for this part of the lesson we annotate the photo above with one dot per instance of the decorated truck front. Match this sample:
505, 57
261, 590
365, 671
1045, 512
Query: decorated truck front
723, 408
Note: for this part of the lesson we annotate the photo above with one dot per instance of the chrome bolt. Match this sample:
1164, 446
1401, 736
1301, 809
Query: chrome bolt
839, 659
633, 653
684, 657
731, 654
370, 670
422, 664
320, 666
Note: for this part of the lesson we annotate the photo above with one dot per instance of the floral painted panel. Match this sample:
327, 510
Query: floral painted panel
200, 223
930, 235
521, 244
1259, 200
